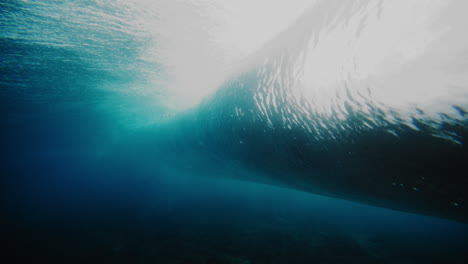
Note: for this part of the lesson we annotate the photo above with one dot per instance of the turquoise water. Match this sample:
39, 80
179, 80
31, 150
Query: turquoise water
105, 158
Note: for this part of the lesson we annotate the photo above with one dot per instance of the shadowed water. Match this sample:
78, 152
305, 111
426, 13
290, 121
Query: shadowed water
104, 158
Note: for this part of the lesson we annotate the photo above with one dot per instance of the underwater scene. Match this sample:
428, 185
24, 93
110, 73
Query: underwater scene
234, 132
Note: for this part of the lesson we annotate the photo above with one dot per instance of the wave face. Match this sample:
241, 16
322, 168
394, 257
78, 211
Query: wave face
286, 117
156, 130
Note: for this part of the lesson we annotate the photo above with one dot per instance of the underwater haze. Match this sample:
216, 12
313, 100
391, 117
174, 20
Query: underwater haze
234, 132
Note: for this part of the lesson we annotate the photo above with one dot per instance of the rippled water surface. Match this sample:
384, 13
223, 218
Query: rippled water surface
234, 131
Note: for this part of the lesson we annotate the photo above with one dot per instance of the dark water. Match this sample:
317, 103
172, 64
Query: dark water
77, 187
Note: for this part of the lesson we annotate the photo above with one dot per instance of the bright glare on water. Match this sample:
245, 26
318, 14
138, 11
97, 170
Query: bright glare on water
234, 131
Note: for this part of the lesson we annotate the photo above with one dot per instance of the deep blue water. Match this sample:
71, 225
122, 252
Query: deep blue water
78, 101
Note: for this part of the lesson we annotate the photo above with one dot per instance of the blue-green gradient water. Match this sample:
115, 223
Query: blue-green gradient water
96, 166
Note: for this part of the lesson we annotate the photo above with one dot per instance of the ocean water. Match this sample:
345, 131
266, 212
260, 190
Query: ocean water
235, 132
